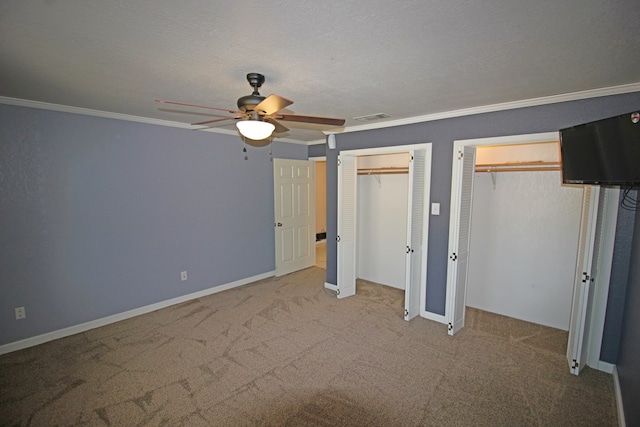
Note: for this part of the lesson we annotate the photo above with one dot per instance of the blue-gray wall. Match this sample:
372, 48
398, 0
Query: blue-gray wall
628, 368
442, 133
317, 150
100, 216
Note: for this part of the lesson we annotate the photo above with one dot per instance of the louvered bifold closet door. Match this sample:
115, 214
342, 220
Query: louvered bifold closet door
458, 264
347, 203
415, 262
583, 285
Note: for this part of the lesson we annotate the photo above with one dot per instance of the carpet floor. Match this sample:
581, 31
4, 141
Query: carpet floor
286, 352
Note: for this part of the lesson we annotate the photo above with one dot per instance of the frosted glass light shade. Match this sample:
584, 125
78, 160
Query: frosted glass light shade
255, 129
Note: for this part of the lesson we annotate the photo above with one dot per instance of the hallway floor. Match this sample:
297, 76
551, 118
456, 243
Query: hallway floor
321, 254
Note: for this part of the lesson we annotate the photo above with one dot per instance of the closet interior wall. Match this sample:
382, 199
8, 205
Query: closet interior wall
524, 238
383, 183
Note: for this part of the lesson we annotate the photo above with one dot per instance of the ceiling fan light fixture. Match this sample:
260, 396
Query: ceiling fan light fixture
255, 129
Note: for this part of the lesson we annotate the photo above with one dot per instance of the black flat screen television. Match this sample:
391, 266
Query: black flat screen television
604, 152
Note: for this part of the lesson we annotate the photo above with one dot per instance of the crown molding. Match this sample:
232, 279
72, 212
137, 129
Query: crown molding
118, 116
553, 99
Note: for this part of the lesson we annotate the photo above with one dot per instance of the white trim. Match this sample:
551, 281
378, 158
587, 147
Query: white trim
118, 116
385, 150
83, 327
510, 139
428, 147
433, 316
619, 403
553, 99
331, 286
605, 367
454, 215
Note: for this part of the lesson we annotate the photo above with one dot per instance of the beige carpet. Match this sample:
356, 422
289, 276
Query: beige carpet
285, 351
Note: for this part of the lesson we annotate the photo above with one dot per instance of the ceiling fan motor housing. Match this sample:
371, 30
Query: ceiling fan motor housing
248, 103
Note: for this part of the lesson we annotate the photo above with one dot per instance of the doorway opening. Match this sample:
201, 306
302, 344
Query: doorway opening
321, 211
579, 302
396, 186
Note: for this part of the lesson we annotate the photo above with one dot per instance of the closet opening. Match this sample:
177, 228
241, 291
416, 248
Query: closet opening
522, 243
382, 198
382, 221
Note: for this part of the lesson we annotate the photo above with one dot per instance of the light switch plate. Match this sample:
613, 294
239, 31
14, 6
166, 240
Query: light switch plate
435, 208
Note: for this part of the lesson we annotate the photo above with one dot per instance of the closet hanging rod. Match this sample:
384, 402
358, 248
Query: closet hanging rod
515, 169
518, 167
383, 171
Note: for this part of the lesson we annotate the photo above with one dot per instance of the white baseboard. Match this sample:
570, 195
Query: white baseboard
432, 316
605, 367
331, 286
83, 327
616, 386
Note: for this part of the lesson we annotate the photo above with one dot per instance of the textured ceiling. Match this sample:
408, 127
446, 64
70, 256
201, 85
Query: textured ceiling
333, 58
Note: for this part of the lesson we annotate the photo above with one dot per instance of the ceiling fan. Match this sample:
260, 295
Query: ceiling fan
258, 116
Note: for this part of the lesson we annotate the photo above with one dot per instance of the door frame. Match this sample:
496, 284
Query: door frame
394, 150
600, 299
315, 161
281, 269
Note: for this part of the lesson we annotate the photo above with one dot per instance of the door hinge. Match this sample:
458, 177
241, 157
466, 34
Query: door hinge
337, 238
460, 154
575, 364
411, 158
339, 162
338, 291
585, 277
406, 313
453, 256
409, 249
450, 327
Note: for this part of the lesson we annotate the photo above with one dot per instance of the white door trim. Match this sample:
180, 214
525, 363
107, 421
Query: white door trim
298, 233
600, 303
454, 216
392, 150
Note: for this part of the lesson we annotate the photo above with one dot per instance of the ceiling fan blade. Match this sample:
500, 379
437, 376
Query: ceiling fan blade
272, 104
280, 128
160, 101
330, 121
214, 120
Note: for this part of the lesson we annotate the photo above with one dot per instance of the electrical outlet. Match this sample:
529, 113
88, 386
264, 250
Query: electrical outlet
20, 313
183, 276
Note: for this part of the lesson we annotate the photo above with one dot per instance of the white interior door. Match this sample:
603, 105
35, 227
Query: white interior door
583, 286
459, 236
347, 204
294, 203
417, 221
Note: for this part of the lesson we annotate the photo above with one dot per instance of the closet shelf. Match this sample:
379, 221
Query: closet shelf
518, 167
382, 171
